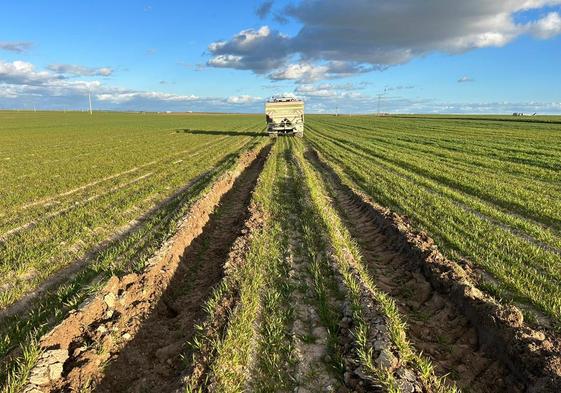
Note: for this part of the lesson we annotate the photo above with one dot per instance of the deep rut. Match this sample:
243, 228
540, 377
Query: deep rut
151, 361
131, 336
435, 326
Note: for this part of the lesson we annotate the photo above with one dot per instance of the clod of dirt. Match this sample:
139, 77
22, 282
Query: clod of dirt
386, 360
48, 369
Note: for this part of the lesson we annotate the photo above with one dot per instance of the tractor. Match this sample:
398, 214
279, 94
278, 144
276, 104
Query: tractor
285, 116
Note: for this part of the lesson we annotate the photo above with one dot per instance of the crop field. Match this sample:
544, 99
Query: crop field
488, 191
191, 252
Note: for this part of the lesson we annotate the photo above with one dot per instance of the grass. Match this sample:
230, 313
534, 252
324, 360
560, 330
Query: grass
485, 189
92, 178
357, 279
24, 329
232, 352
259, 341
125, 253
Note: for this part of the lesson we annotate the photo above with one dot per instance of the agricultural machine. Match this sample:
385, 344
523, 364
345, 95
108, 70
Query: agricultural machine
285, 116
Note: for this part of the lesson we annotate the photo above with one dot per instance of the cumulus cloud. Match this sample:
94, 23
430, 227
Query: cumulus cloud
371, 35
122, 96
547, 27
316, 91
264, 9
328, 89
465, 79
22, 84
374, 33
15, 46
308, 72
243, 99
301, 71
257, 50
78, 70
21, 72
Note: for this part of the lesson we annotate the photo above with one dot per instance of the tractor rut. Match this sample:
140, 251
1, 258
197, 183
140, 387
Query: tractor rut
132, 336
436, 327
154, 352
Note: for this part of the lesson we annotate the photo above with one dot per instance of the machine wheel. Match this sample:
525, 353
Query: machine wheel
273, 134
299, 134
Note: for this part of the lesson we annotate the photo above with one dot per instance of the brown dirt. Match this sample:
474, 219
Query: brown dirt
484, 346
26, 302
130, 337
196, 376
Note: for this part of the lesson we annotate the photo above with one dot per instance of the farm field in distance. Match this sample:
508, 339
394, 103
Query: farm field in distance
191, 252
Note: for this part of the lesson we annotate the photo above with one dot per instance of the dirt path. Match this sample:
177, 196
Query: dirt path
435, 326
131, 343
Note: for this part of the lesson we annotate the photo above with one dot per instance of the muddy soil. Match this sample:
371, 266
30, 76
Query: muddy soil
130, 338
436, 327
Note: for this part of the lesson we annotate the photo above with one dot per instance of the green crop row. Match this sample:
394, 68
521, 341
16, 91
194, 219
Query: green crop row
41, 237
507, 229
149, 208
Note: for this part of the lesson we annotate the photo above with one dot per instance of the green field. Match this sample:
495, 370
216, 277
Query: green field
94, 190
288, 280
486, 189
71, 181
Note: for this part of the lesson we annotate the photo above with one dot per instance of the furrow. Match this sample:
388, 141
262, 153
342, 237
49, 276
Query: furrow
141, 321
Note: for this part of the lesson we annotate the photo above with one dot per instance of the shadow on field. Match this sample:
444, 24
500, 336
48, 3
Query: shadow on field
213, 132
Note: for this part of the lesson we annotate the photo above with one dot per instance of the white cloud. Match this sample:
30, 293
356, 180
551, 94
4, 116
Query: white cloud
316, 91
328, 89
465, 79
123, 96
258, 50
547, 27
21, 85
308, 72
15, 46
243, 99
301, 71
362, 35
21, 72
78, 70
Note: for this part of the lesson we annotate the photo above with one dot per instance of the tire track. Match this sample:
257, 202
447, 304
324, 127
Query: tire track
437, 327
143, 321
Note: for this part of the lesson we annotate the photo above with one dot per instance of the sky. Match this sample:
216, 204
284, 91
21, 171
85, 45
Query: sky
352, 56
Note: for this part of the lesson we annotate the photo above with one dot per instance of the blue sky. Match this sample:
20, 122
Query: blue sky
434, 56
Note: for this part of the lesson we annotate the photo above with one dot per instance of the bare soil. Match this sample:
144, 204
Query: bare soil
131, 336
480, 344
197, 374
